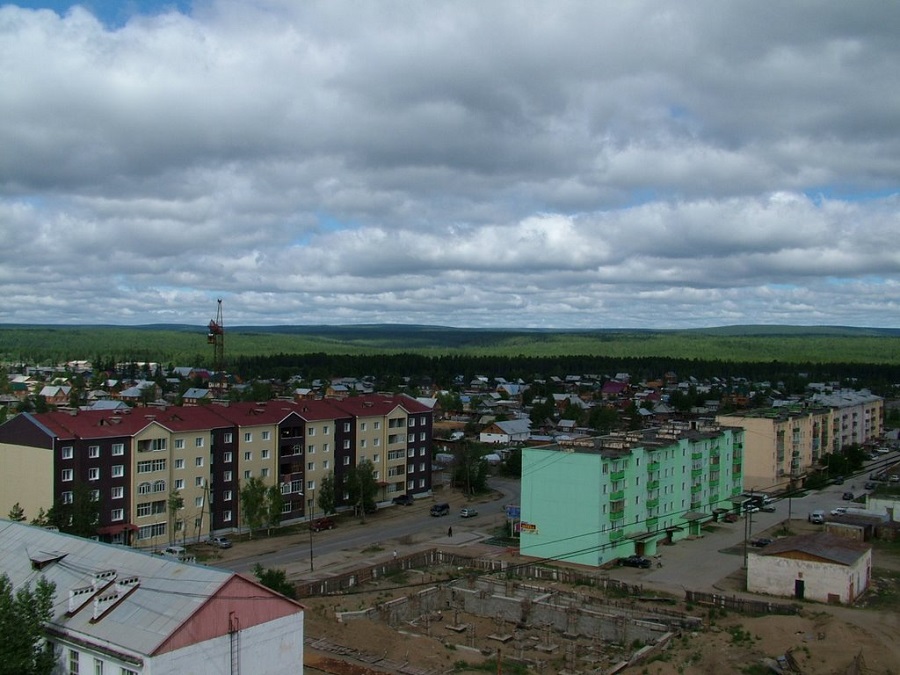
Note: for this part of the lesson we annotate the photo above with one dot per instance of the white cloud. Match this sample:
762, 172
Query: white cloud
573, 164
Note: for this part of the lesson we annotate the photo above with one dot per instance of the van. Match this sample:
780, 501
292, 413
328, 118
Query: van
817, 517
175, 551
440, 510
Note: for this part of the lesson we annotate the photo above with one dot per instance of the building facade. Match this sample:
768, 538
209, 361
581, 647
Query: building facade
623, 494
135, 462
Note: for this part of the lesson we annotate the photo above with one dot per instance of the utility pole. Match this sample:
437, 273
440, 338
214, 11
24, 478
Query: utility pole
312, 513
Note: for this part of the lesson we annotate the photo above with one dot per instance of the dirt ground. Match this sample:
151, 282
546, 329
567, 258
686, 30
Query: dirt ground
822, 639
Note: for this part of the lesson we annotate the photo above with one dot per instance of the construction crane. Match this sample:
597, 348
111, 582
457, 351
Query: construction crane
216, 337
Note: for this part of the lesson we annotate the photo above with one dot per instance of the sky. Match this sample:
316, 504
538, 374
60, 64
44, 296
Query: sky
509, 163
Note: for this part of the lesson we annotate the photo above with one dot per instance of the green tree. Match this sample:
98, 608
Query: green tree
24, 614
362, 487
512, 467
541, 411
273, 507
603, 418
175, 503
253, 503
326, 498
472, 471
275, 579
79, 516
16, 513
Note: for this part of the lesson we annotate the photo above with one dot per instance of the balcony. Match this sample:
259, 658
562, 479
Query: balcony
615, 535
696, 456
653, 466
617, 475
696, 487
652, 503
653, 485
617, 514
616, 496
651, 523
696, 473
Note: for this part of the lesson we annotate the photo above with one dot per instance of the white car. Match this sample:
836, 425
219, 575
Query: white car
839, 511
468, 513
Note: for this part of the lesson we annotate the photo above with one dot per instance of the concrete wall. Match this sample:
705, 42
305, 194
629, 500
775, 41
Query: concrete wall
28, 479
775, 575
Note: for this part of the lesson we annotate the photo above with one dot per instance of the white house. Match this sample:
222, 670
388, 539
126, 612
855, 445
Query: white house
121, 611
822, 567
510, 431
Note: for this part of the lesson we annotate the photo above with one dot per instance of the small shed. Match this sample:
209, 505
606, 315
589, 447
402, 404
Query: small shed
823, 567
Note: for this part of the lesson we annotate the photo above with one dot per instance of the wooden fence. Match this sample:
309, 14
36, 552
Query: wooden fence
736, 604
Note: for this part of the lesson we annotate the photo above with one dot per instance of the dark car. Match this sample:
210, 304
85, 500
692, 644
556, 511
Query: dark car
869, 485
635, 561
403, 500
847, 496
768, 508
839, 480
322, 524
762, 541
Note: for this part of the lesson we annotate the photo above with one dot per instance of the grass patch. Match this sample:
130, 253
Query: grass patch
373, 549
884, 591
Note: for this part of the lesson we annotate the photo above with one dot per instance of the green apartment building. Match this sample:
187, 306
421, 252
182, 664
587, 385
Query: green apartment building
625, 493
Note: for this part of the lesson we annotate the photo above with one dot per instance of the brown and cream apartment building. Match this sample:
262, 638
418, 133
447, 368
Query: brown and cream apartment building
133, 461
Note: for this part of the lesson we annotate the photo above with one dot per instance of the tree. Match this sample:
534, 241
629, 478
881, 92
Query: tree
79, 516
24, 615
327, 497
603, 418
273, 507
512, 467
275, 579
472, 471
175, 504
361, 487
253, 503
16, 513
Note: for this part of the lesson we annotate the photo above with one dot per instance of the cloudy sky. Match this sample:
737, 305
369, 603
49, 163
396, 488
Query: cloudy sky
463, 163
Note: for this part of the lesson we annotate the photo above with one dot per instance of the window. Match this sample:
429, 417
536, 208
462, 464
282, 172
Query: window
310, 485
98, 666
376, 442
311, 431
376, 425
248, 456
67, 475
198, 481
248, 437
421, 452
198, 442
159, 486
310, 466
95, 495
346, 444
118, 449
144, 488
362, 443
410, 485
296, 486
226, 496
362, 426
151, 465
179, 463
179, 483
127, 671
248, 474
151, 531
227, 438
93, 451
179, 444
412, 421
73, 662
118, 470
118, 492
310, 449
422, 420
198, 501
198, 461
227, 476
422, 436
421, 482
265, 454
411, 438
346, 427
226, 457
267, 435
346, 461
422, 466
285, 488
412, 452
68, 497
325, 447
286, 507
226, 516
117, 514
325, 430
325, 465
67, 452
264, 472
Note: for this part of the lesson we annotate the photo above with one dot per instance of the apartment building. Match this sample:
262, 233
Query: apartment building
135, 461
623, 494
784, 444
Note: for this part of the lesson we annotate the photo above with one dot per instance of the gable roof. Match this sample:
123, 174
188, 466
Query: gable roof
114, 596
828, 547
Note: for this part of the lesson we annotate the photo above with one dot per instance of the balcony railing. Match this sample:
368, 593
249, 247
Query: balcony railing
617, 475
616, 496
653, 466
652, 503
615, 535
651, 523
653, 485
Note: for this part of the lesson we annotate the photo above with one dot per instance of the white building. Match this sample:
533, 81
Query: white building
509, 431
123, 612
822, 567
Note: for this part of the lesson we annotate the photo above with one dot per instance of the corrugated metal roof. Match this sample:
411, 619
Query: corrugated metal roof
821, 545
168, 591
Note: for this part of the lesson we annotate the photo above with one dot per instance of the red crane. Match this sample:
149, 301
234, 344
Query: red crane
216, 337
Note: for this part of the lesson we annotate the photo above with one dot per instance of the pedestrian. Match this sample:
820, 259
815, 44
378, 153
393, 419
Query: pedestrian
450, 531
395, 554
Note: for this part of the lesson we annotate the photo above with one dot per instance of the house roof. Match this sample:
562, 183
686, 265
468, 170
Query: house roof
156, 594
822, 545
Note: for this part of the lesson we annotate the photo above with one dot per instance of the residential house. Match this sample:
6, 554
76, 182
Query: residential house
125, 612
509, 431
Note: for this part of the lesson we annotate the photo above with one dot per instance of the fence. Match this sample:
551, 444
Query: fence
736, 604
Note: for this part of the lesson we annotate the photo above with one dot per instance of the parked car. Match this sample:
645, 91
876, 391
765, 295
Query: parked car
839, 480
635, 561
731, 518
220, 542
403, 500
174, 551
760, 542
847, 496
468, 512
870, 485
817, 517
322, 524
768, 508
839, 511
